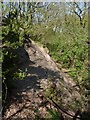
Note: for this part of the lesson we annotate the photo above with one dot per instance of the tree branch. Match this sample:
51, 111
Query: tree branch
78, 7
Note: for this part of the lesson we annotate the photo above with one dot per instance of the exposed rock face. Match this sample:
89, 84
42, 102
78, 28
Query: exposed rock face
40, 68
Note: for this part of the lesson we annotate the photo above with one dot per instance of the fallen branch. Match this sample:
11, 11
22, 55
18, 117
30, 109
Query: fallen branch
62, 110
74, 117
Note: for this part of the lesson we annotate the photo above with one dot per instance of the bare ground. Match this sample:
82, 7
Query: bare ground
25, 100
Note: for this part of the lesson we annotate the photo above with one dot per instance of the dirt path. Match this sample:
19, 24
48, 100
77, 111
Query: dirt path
40, 67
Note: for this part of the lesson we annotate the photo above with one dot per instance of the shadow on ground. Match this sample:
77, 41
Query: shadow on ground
35, 73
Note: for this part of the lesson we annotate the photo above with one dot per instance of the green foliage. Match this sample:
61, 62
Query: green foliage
13, 38
54, 115
66, 43
67, 47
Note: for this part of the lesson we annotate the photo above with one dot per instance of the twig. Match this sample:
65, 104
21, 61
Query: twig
50, 100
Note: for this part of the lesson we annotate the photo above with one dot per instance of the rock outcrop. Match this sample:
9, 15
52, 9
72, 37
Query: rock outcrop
41, 73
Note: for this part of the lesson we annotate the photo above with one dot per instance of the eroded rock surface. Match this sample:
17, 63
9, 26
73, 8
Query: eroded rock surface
40, 67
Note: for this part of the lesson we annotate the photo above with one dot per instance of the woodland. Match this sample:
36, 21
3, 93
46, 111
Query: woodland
62, 29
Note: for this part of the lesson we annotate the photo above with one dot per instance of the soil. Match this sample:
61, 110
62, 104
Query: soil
26, 97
